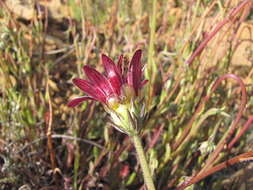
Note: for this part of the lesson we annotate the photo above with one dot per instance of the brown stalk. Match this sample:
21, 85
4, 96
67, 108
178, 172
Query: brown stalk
205, 99
196, 27
240, 158
218, 27
49, 131
213, 157
156, 135
208, 169
242, 131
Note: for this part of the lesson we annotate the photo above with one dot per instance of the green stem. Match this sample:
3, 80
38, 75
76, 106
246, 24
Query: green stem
151, 70
143, 162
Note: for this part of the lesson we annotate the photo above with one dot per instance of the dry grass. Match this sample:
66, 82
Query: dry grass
46, 145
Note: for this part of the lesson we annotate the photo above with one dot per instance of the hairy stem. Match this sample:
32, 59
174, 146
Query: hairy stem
143, 162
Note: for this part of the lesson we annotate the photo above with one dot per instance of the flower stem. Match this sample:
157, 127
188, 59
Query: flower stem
143, 162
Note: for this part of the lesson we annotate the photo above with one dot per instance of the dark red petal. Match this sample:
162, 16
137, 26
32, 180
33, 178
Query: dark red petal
98, 80
90, 89
78, 100
134, 72
112, 73
143, 83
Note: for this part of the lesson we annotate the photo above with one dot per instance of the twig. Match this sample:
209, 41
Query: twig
57, 136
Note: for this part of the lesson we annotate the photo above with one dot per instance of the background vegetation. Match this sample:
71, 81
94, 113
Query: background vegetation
43, 45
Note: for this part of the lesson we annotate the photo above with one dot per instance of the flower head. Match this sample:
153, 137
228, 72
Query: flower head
116, 90
116, 86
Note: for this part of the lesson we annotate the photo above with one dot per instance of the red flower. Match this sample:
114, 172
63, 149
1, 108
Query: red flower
116, 86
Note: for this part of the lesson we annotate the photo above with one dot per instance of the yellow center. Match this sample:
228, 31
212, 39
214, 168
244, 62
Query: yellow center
115, 102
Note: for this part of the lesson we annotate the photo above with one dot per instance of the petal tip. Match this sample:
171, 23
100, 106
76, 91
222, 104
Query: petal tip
105, 58
138, 51
76, 101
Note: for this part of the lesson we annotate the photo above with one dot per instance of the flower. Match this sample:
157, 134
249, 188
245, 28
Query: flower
113, 88
116, 90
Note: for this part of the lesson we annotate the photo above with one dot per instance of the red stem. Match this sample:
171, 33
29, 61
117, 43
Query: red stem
230, 162
234, 125
205, 99
155, 137
244, 129
203, 173
231, 14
